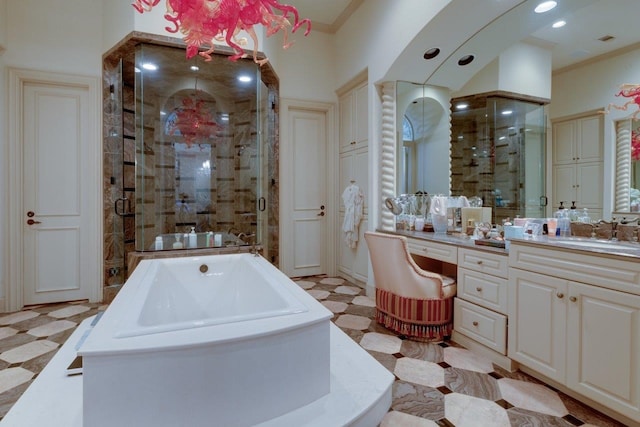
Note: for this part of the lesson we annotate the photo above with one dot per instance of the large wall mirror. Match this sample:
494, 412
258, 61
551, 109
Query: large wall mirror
421, 109
627, 180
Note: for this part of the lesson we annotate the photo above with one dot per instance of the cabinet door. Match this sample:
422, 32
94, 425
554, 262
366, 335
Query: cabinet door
589, 141
537, 322
346, 255
564, 185
347, 139
361, 261
608, 374
589, 183
361, 110
564, 136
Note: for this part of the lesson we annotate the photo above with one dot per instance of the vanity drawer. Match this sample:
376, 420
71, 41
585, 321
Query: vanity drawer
439, 251
484, 262
481, 325
482, 289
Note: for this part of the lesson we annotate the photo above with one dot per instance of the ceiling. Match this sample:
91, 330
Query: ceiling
574, 43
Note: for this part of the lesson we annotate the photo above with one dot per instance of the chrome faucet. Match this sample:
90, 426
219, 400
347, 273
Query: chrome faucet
614, 227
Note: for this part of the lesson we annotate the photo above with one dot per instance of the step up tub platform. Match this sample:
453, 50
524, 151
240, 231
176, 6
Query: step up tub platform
220, 340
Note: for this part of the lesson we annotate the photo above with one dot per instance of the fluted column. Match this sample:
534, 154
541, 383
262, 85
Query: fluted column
623, 165
388, 153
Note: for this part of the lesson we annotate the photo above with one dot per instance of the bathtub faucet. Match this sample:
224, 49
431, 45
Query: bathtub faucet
252, 236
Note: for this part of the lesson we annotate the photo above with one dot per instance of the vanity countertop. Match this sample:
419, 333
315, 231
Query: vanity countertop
457, 239
625, 250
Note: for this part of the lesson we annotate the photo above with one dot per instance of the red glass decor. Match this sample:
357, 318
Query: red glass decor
204, 21
194, 121
628, 90
635, 145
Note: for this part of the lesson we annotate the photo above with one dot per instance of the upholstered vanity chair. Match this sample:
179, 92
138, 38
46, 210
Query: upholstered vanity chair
409, 300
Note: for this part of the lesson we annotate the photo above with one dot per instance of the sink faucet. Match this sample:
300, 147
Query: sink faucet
614, 227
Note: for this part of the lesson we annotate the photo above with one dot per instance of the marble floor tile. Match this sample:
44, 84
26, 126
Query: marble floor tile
534, 397
18, 316
364, 300
472, 383
348, 290
418, 400
28, 351
7, 332
465, 359
13, 377
335, 306
319, 295
523, 417
332, 281
419, 372
383, 343
51, 328
424, 351
350, 321
400, 419
305, 284
68, 311
468, 411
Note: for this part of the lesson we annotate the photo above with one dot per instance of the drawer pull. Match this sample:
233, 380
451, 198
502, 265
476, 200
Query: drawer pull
560, 295
479, 289
573, 299
475, 323
479, 262
425, 249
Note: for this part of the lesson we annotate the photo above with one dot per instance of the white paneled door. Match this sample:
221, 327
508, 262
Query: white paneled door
304, 183
59, 255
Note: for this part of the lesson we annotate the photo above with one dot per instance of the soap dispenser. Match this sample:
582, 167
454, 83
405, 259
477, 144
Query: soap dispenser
573, 212
193, 238
177, 244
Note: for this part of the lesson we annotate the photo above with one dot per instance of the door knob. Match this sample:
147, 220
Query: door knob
31, 214
33, 221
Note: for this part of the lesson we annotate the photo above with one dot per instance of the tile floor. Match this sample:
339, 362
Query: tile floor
436, 384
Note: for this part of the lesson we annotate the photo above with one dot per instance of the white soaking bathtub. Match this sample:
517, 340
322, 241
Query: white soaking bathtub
223, 340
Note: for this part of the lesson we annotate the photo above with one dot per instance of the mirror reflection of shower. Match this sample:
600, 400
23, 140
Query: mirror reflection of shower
198, 155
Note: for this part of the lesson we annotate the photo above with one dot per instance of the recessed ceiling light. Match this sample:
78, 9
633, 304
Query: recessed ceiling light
545, 6
507, 112
462, 106
149, 66
244, 79
466, 60
431, 53
194, 68
559, 24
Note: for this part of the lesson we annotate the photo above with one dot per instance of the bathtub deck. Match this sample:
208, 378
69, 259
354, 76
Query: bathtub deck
360, 391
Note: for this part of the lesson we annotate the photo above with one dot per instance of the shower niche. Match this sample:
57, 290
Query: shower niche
197, 154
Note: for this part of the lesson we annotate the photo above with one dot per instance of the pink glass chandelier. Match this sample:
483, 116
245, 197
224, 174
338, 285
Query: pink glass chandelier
193, 120
202, 22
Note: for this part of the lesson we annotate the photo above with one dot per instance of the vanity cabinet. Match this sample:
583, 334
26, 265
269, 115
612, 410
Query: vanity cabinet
480, 309
582, 334
578, 163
